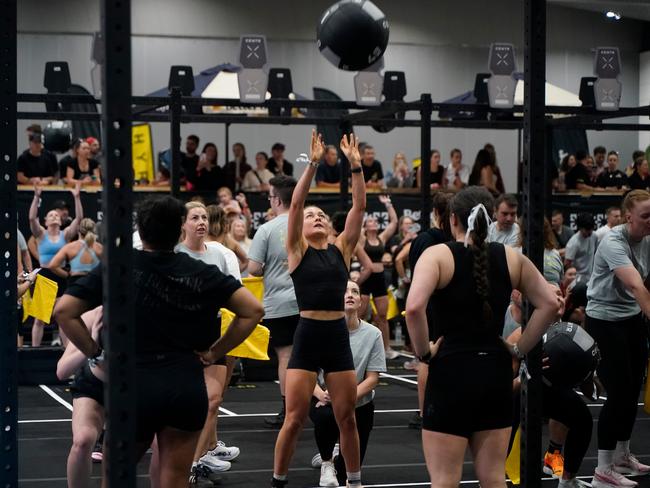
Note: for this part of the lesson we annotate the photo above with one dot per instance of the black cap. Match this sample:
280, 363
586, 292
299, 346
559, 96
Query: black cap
278, 146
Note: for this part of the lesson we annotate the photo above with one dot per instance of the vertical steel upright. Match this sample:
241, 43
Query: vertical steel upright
8, 247
117, 207
533, 196
175, 112
426, 112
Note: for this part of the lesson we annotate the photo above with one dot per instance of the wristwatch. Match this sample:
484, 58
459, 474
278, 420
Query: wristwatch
97, 358
356, 170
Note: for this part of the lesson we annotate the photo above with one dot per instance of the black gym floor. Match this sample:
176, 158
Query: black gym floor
394, 457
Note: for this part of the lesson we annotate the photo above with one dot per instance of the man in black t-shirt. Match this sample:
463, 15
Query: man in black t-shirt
328, 174
36, 165
612, 177
373, 174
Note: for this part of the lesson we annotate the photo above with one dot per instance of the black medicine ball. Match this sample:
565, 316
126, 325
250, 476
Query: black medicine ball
572, 354
352, 34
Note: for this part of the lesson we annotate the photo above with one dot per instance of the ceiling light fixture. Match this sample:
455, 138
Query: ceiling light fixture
610, 14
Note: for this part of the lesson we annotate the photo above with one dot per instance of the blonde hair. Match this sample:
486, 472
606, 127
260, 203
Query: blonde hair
633, 197
217, 221
87, 231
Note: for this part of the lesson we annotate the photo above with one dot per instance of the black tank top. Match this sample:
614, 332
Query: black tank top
457, 312
374, 252
320, 279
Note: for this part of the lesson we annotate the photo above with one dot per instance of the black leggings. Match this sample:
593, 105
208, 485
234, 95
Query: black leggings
623, 355
565, 406
327, 432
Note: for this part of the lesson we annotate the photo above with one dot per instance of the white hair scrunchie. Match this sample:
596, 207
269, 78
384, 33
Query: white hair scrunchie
471, 220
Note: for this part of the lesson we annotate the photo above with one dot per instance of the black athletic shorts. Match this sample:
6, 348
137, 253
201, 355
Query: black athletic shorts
282, 330
468, 392
321, 344
87, 385
171, 393
375, 285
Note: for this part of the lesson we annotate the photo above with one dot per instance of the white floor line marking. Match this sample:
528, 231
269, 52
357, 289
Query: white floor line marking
398, 378
230, 413
49, 391
46, 421
398, 410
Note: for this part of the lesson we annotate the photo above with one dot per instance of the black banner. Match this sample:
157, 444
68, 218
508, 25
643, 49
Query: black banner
408, 205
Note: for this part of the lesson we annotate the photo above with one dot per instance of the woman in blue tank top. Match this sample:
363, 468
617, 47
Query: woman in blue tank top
50, 240
469, 282
319, 271
82, 255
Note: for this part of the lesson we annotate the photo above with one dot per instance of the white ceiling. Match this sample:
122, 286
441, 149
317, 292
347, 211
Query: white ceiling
639, 9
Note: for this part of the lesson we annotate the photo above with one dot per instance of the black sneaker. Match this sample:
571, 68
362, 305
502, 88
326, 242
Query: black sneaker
275, 483
416, 421
277, 421
97, 456
202, 477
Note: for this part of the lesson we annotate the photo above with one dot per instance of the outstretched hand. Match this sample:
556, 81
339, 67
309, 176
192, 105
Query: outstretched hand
37, 190
384, 199
350, 147
76, 191
316, 147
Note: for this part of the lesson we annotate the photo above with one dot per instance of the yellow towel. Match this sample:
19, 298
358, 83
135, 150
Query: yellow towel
41, 304
255, 346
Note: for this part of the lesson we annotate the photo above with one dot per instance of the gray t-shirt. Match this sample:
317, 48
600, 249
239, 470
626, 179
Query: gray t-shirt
268, 248
508, 237
608, 298
580, 250
368, 355
212, 255
553, 266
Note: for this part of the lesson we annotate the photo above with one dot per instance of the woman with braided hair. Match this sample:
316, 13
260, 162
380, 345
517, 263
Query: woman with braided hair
469, 282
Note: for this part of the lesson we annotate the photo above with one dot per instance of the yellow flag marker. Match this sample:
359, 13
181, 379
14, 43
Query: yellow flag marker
255, 346
393, 309
41, 304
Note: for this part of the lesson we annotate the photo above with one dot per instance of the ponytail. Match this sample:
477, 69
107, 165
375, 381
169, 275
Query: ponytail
87, 232
473, 206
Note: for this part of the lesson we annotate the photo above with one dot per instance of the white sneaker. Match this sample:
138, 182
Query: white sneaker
391, 353
316, 461
328, 474
224, 452
412, 364
608, 478
214, 463
629, 465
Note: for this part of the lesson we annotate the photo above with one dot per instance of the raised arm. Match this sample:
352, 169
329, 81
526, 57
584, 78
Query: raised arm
71, 231
348, 239
365, 261
34, 224
296, 245
390, 229
535, 288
